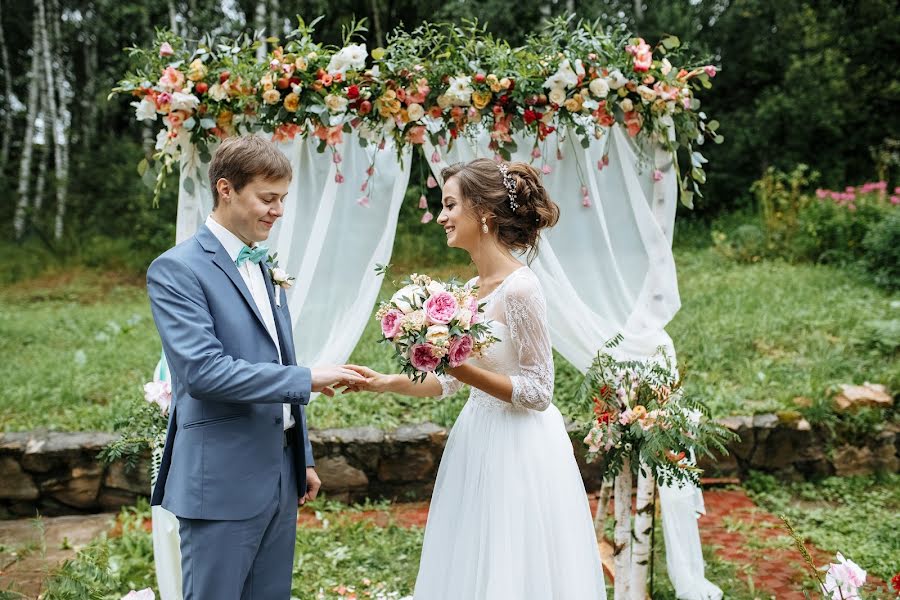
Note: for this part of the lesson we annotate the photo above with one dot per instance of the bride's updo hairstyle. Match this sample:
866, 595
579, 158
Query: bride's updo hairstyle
483, 184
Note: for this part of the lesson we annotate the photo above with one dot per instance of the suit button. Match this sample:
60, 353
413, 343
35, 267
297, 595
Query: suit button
278, 420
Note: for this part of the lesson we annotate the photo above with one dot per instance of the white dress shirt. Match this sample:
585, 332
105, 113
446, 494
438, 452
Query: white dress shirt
253, 277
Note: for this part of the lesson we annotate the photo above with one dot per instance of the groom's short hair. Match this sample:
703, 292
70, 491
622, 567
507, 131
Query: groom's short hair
241, 159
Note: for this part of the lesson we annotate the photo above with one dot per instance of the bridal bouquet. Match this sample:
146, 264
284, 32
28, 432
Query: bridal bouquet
641, 414
433, 325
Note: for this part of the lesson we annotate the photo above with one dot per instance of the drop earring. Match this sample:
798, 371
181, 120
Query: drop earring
484, 227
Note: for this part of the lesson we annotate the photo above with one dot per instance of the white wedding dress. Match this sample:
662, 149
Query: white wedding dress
509, 517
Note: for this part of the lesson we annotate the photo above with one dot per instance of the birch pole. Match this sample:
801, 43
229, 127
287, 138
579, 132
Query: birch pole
622, 538
643, 526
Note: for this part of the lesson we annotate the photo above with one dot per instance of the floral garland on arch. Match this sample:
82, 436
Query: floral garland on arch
435, 83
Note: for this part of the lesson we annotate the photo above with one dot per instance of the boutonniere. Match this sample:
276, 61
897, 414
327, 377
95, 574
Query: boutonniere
280, 278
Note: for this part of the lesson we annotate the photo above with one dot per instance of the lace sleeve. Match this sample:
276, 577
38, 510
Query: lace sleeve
526, 316
449, 385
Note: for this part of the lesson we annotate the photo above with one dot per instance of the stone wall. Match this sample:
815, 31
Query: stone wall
59, 473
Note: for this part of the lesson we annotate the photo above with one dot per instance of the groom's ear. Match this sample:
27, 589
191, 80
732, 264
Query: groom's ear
223, 190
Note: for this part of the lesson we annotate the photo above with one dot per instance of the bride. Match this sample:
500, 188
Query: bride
509, 516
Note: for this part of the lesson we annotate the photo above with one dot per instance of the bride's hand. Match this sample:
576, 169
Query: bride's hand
375, 381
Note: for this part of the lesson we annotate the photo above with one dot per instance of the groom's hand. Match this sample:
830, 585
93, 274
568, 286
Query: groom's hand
313, 483
325, 377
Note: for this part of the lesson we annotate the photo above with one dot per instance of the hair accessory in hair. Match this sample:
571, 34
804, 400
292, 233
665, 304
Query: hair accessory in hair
510, 186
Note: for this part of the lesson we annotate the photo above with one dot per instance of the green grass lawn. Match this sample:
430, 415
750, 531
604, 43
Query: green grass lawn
78, 345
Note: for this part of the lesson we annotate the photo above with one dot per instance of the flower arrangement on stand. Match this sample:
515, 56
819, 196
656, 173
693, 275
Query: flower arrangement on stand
435, 83
643, 425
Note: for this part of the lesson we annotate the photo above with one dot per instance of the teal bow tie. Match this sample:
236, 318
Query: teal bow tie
254, 255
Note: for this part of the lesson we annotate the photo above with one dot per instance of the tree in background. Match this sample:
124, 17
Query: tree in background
801, 81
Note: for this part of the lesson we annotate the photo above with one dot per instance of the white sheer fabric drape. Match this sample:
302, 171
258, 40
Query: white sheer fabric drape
330, 244
606, 269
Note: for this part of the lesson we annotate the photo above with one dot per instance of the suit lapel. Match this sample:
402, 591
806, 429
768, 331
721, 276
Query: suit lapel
221, 259
285, 333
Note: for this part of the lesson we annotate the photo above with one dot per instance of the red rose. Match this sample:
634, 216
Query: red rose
479, 77
353, 92
283, 83
201, 87
895, 583
365, 107
530, 116
223, 76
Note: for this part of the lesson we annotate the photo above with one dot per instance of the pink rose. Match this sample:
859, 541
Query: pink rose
166, 49
460, 349
424, 358
390, 323
159, 393
172, 79
441, 308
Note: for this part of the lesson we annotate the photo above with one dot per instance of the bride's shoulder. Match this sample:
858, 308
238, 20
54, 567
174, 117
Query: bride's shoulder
523, 284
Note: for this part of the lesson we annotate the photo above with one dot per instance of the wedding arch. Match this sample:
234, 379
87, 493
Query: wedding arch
604, 116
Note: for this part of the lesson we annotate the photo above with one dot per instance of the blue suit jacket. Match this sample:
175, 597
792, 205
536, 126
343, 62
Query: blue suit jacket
224, 444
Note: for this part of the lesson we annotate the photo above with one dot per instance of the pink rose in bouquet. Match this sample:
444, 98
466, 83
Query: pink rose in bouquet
441, 308
425, 357
159, 393
433, 325
460, 349
390, 323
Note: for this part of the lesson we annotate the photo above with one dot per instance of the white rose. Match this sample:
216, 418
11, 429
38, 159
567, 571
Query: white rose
616, 79
435, 287
217, 92
437, 335
564, 77
647, 93
557, 96
626, 105
415, 112
408, 298
145, 110
464, 318
351, 57
336, 103
599, 87
182, 101
666, 66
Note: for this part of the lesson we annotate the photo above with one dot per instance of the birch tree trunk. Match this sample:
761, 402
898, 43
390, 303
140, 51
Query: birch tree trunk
173, 17
8, 90
643, 524
28, 142
375, 10
259, 25
276, 25
602, 507
622, 539
638, 10
55, 122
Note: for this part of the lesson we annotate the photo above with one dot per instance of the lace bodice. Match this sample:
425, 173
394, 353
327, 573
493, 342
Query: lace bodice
519, 314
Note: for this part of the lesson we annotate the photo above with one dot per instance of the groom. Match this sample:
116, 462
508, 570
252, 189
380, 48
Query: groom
237, 455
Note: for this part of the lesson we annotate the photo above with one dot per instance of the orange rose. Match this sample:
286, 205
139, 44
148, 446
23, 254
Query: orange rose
291, 102
481, 99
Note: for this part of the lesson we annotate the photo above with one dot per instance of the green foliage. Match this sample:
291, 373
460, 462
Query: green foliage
858, 227
881, 251
857, 516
